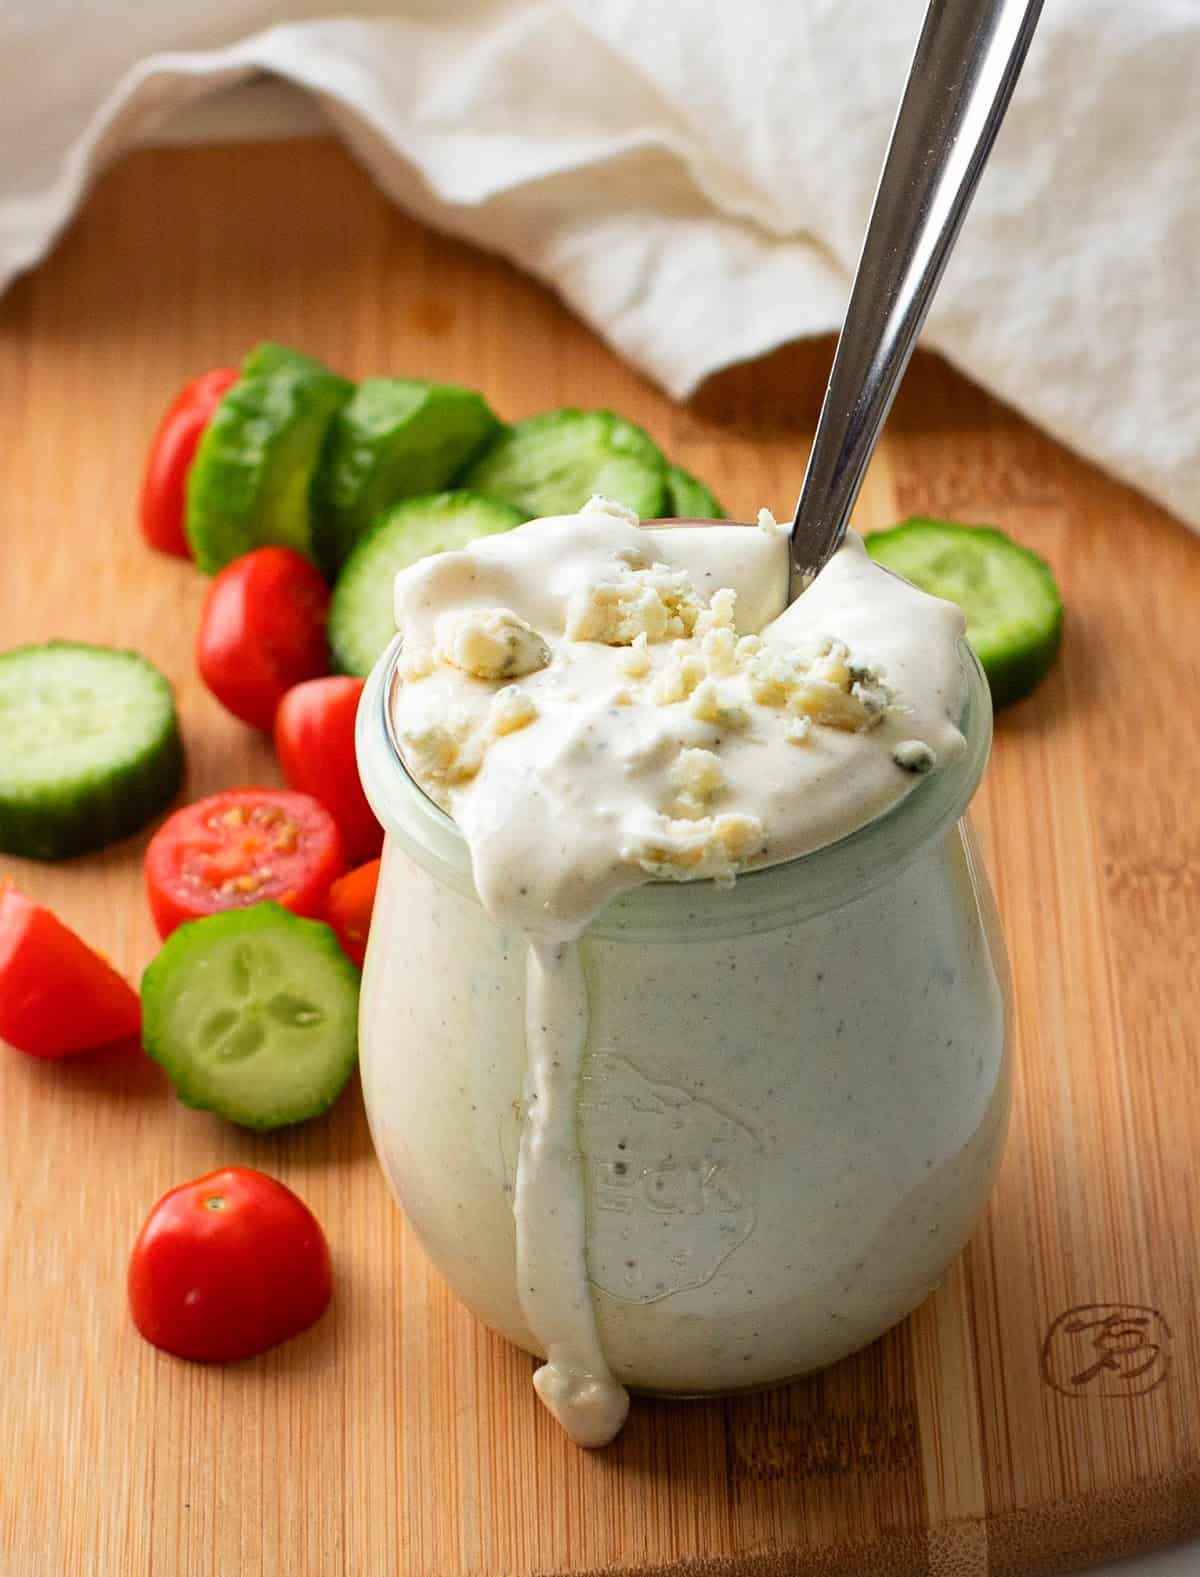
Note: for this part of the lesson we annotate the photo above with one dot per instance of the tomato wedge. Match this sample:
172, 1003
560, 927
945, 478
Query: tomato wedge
228, 1265
172, 451
57, 996
314, 740
239, 848
348, 908
262, 631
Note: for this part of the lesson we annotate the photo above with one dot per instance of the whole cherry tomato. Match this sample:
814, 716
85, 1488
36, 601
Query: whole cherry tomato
262, 631
314, 740
227, 1266
57, 996
241, 847
348, 909
171, 454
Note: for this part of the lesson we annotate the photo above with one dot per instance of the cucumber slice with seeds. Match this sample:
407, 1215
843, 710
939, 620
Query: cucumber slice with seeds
553, 463
89, 748
395, 438
688, 498
250, 482
361, 617
253, 1014
1013, 608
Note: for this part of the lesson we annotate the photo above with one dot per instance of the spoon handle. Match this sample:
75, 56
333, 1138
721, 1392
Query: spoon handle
963, 73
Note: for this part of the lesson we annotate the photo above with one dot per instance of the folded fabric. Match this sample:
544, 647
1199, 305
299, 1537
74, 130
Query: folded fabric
695, 177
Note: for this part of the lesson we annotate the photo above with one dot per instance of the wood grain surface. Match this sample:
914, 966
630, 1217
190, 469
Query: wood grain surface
398, 1436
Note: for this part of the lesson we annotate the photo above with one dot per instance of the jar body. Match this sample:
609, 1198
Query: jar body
789, 1124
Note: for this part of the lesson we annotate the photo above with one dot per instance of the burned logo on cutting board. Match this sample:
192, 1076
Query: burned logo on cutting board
1116, 1350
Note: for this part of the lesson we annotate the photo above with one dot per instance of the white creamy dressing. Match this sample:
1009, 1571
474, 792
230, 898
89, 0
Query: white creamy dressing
598, 705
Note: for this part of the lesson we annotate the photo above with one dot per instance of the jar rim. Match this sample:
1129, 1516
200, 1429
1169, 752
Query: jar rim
819, 880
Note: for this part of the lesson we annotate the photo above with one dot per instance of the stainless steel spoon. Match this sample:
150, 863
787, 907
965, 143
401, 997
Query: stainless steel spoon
967, 62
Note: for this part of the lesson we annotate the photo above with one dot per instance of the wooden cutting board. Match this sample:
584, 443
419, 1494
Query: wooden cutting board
1042, 1411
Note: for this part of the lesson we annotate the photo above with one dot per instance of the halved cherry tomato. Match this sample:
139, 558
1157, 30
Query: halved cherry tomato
348, 908
57, 996
227, 1266
314, 740
171, 454
242, 847
262, 631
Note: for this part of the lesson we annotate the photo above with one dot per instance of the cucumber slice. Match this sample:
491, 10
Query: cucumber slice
271, 357
1014, 612
253, 1014
250, 481
89, 748
361, 616
688, 498
395, 438
553, 463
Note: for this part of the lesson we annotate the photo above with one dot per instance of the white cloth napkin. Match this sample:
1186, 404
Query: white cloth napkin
694, 175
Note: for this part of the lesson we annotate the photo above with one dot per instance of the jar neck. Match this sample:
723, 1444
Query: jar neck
797, 889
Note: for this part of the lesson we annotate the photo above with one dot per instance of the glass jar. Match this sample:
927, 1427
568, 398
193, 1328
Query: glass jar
795, 1092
